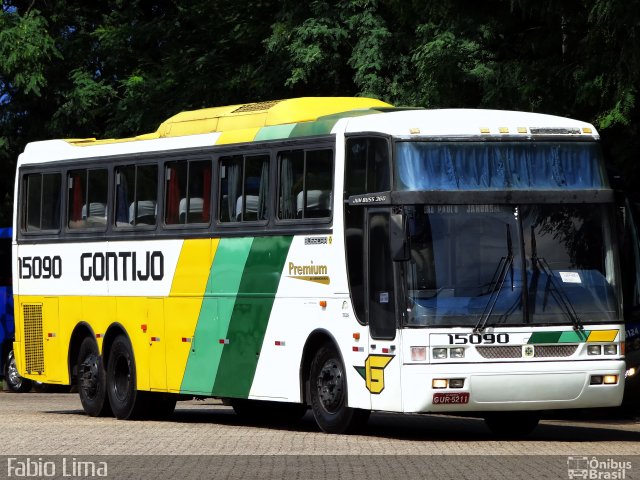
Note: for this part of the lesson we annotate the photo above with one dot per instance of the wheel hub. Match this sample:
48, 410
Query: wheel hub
330, 385
14, 376
89, 376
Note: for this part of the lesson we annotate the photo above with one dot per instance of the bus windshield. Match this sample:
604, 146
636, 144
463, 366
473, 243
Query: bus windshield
540, 264
498, 165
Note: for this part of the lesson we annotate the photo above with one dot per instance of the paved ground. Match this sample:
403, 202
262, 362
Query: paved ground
54, 424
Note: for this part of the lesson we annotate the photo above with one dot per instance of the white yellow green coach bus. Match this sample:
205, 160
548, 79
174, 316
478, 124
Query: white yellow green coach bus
336, 253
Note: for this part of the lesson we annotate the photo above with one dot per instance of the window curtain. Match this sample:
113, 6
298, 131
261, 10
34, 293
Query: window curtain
263, 196
234, 177
287, 202
78, 199
122, 201
173, 197
475, 166
206, 194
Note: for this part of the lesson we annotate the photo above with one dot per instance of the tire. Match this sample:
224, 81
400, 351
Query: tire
91, 380
268, 412
328, 392
512, 425
126, 402
15, 382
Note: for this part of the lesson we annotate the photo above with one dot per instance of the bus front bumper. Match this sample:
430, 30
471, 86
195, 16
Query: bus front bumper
512, 386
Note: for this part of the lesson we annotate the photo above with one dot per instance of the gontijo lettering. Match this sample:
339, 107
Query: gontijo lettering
122, 266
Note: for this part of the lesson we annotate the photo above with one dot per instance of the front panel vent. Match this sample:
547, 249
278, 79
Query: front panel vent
33, 338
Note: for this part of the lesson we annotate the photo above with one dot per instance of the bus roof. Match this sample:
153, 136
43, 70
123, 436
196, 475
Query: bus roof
242, 122
307, 116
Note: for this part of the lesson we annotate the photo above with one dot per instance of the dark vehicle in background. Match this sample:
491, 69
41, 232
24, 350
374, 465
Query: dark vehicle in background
629, 205
8, 368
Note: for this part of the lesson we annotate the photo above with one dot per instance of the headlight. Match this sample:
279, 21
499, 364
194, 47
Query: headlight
594, 349
439, 353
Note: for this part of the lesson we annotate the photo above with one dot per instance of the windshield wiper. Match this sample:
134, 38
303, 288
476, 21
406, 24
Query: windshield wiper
504, 265
557, 291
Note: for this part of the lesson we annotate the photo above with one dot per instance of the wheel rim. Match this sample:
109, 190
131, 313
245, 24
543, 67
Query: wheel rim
330, 385
89, 376
122, 377
12, 372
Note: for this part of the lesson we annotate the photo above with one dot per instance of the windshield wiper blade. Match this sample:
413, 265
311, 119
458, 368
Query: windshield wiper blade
558, 292
504, 265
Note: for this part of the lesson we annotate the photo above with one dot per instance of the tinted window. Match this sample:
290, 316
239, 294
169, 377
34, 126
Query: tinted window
41, 207
87, 203
187, 192
136, 195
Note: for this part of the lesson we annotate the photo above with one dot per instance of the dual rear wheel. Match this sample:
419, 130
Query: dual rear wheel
112, 390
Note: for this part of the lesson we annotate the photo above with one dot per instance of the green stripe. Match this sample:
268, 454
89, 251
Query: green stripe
320, 127
250, 316
215, 314
559, 337
274, 132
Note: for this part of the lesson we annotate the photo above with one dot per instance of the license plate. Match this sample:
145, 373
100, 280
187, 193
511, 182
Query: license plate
449, 398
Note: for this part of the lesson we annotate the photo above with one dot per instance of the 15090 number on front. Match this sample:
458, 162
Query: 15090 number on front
477, 338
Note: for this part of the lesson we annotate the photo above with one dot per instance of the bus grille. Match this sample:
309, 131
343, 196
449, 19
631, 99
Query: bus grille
555, 350
500, 352
515, 351
33, 339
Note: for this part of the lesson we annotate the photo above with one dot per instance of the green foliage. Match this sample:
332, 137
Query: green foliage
111, 69
25, 49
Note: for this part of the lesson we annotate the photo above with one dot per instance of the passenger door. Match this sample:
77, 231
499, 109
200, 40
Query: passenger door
382, 367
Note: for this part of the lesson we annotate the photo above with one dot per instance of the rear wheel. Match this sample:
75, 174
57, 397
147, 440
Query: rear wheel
11, 375
512, 424
92, 380
328, 391
126, 402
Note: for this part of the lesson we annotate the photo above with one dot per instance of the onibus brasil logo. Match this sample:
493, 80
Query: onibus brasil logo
373, 371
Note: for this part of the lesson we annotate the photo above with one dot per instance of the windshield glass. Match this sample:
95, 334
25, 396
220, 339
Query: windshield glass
508, 265
497, 165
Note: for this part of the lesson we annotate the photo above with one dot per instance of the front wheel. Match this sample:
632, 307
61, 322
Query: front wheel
92, 386
11, 375
512, 425
328, 391
126, 402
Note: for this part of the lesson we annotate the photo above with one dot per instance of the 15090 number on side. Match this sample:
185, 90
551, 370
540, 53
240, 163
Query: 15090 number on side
39, 267
477, 338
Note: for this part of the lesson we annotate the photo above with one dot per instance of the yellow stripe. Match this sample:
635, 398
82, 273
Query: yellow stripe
237, 136
194, 265
182, 308
602, 336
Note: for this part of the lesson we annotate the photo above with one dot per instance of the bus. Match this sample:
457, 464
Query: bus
10, 374
333, 254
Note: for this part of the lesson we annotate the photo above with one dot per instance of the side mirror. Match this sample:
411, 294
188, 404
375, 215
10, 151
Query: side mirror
399, 238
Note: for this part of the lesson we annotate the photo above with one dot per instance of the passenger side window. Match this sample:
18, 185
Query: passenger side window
41, 203
87, 202
306, 182
367, 166
244, 188
136, 190
187, 192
